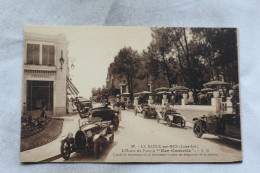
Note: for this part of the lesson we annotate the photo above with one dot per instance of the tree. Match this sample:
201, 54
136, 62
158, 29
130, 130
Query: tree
160, 54
220, 51
127, 64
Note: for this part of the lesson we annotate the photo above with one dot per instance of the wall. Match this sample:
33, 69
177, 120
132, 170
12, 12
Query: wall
48, 73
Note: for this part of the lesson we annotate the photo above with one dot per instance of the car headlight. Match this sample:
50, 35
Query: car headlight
89, 134
70, 135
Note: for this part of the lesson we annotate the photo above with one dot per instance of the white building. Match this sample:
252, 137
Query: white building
44, 76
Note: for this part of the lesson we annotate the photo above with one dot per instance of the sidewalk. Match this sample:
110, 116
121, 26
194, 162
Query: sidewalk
51, 149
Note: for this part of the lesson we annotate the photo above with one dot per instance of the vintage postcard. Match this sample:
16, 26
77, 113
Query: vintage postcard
130, 94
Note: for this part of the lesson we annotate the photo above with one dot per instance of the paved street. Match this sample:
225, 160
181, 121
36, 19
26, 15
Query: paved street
160, 143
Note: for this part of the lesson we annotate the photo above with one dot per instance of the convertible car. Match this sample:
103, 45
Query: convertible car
92, 134
145, 110
225, 126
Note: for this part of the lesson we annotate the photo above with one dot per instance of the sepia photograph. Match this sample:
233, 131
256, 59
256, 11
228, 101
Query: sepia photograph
122, 94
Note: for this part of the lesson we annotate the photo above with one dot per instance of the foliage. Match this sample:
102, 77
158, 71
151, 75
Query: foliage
127, 64
188, 57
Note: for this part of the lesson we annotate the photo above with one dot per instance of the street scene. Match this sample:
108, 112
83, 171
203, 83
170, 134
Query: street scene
130, 94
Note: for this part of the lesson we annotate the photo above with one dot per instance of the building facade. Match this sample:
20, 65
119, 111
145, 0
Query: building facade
45, 72
147, 83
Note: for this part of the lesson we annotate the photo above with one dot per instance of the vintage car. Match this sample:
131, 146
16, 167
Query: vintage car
93, 133
84, 106
171, 116
107, 114
225, 126
78, 101
146, 110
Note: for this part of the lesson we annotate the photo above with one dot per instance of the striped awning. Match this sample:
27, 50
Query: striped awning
71, 87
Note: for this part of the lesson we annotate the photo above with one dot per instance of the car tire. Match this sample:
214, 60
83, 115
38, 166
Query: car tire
116, 126
65, 149
183, 123
96, 150
168, 122
111, 139
198, 129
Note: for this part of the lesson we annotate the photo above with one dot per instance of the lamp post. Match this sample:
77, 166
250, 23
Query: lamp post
61, 60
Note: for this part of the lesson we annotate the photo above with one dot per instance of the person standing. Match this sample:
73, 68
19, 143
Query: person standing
118, 110
191, 98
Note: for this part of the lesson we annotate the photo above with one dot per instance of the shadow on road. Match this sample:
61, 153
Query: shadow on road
226, 142
175, 126
87, 156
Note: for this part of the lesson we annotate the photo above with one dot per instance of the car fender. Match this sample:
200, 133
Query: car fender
159, 114
184, 118
195, 119
201, 118
170, 117
203, 121
96, 137
63, 138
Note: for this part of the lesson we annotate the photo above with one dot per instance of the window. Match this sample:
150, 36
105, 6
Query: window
47, 55
149, 88
123, 89
33, 52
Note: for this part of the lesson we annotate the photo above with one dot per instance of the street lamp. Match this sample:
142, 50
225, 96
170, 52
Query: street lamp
61, 60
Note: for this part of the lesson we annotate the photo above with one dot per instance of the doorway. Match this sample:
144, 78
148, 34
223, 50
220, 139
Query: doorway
39, 95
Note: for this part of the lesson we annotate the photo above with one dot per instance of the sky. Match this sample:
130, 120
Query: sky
94, 48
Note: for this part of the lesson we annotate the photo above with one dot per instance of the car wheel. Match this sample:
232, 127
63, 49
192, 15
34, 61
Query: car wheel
111, 139
157, 119
169, 122
96, 150
65, 149
198, 129
183, 123
116, 126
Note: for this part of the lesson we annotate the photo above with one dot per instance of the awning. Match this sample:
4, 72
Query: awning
72, 89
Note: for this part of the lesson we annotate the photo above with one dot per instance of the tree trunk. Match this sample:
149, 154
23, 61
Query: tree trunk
167, 70
181, 66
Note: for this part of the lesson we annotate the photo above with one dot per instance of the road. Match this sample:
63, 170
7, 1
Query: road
160, 143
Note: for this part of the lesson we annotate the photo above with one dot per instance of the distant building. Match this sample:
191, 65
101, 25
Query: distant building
45, 78
118, 82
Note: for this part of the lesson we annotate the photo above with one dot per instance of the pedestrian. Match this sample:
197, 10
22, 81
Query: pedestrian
191, 98
173, 100
118, 110
43, 114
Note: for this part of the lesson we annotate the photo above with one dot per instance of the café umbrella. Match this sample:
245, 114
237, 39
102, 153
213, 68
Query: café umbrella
163, 92
207, 89
125, 94
216, 83
145, 92
162, 89
137, 94
236, 86
179, 88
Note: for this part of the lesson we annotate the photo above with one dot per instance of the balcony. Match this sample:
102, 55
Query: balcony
30, 67
40, 71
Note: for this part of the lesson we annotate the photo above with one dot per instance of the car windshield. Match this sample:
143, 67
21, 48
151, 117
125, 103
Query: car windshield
89, 120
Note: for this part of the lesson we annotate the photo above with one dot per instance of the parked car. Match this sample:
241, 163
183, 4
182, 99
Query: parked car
123, 105
225, 126
93, 133
107, 114
78, 101
171, 116
146, 110
84, 106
